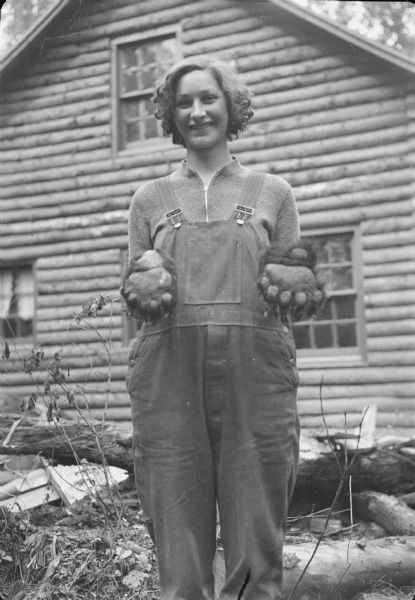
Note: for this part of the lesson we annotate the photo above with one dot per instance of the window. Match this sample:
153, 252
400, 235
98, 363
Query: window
338, 326
138, 64
17, 302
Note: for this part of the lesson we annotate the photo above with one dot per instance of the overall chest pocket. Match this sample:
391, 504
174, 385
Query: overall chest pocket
213, 272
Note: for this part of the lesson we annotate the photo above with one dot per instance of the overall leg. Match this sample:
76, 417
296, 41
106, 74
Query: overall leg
173, 461
257, 461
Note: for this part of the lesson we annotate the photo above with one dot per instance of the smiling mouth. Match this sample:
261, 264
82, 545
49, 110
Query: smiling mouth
200, 127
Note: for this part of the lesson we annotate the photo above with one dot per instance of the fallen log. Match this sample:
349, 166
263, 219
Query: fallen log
341, 569
409, 499
64, 439
381, 469
391, 513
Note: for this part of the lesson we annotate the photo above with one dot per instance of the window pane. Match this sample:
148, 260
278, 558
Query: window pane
347, 335
132, 131
325, 314
333, 249
324, 277
13, 310
323, 336
148, 53
320, 246
345, 308
148, 77
139, 122
25, 293
131, 121
128, 56
25, 327
161, 52
166, 52
336, 278
338, 249
341, 278
16, 301
146, 108
302, 336
9, 328
131, 110
150, 122
129, 82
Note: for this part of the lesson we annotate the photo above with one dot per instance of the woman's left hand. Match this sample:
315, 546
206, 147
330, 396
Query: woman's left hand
288, 286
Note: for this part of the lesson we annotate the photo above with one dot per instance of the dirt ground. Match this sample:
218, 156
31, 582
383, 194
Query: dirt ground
100, 550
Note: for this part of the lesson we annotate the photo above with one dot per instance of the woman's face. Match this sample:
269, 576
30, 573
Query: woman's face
201, 113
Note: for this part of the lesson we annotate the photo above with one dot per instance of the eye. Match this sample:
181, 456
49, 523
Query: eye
183, 103
209, 98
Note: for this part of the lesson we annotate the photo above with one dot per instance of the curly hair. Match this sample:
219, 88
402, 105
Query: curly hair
237, 96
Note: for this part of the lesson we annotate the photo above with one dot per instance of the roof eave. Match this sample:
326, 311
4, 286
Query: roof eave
40, 26
385, 53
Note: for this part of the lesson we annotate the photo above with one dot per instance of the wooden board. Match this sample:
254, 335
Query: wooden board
31, 499
74, 482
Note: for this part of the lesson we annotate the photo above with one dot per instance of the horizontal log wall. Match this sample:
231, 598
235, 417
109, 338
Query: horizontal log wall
336, 122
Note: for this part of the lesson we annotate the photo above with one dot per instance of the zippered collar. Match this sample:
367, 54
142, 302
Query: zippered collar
230, 169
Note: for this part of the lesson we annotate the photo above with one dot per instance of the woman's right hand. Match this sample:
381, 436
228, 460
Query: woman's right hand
149, 287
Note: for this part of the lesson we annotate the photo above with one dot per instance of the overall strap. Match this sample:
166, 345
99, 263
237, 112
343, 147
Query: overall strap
170, 202
249, 196
252, 189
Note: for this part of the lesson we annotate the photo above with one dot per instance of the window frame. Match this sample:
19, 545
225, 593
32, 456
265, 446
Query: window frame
12, 266
156, 143
355, 355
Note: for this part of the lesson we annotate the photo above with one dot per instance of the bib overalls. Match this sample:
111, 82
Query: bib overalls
213, 394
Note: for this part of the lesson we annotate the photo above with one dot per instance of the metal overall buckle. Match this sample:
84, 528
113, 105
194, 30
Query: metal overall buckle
174, 217
243, 213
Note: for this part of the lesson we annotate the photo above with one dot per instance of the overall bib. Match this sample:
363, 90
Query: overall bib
213, 394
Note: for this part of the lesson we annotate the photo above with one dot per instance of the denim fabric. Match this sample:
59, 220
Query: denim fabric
213, 395
215, 418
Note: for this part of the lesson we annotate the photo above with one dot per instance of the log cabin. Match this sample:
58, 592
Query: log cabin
334, 116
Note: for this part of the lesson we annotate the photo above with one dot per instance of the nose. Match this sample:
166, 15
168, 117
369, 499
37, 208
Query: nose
198, 109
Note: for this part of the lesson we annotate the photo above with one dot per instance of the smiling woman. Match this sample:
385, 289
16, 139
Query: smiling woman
212, 375
201, 116
237, 96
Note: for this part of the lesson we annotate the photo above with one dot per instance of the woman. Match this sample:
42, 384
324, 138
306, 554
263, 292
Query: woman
212, 374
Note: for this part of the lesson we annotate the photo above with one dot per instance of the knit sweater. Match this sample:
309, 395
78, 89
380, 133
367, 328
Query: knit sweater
275, 216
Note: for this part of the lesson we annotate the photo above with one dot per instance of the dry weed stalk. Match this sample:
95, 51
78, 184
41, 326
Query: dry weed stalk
91, 564
55, 386
344, 473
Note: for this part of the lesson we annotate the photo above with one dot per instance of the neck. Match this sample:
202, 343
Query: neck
208, 162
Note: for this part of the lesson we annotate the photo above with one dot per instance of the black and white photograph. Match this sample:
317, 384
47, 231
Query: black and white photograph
207, 300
